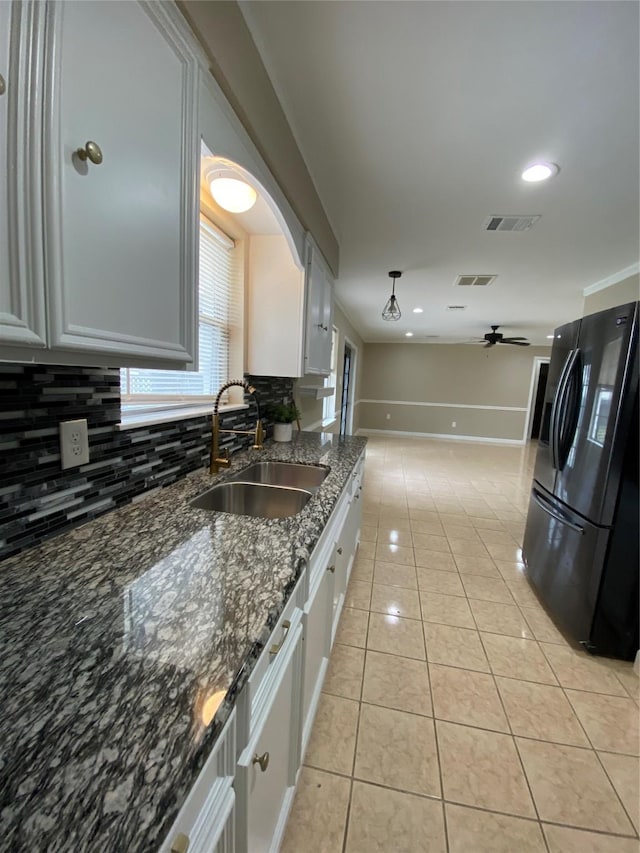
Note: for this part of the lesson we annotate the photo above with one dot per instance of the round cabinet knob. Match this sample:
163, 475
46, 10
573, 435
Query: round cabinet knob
180, 843
261, 760
91, 151
3, 85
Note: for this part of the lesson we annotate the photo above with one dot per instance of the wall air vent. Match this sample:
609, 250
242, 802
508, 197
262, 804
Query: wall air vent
474, 280
510, 223
456, 307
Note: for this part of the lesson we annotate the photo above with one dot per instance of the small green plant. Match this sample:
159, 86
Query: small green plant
283, 413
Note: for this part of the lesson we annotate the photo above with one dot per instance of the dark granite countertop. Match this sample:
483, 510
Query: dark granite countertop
114, 635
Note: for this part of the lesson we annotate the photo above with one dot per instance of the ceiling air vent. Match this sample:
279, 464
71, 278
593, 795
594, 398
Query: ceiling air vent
456, 307
474, 280
510, 223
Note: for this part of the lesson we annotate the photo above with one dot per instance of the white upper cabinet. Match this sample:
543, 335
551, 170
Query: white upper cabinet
120, 235
319, 315
22, 303
98, 256
276, 304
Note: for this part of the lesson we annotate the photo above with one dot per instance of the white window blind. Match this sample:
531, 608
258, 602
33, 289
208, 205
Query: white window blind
218, 310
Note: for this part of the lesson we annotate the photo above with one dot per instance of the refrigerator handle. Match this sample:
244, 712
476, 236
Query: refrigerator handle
554, 427
546, 507
570, 418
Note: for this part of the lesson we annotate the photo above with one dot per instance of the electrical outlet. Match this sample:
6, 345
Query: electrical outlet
74, 443
388, 416
453, 424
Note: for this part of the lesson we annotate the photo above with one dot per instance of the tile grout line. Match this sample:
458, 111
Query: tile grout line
437, 744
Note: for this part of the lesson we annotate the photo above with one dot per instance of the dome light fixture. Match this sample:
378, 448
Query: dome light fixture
540, 172
232, 194
391, 310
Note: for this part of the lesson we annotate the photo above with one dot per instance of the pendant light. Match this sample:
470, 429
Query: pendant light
391, 310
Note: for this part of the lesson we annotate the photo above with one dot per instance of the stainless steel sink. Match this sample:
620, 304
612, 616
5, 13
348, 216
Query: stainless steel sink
255, 499
289, 474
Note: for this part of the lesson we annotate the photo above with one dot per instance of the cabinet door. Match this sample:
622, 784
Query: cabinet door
276, 302
22, 312
207, 817
317, 620
121, 235
319, 317
265, 781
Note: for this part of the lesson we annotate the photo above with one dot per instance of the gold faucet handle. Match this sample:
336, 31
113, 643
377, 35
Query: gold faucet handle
223, 461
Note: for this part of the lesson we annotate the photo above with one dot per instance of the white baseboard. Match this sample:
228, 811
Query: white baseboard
443, 436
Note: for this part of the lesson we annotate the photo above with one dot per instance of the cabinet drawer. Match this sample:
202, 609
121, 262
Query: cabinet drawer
275, 649
210, 802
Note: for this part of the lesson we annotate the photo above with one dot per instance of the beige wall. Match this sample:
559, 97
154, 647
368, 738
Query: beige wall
627, 290
312, 409
485, 391
238, 70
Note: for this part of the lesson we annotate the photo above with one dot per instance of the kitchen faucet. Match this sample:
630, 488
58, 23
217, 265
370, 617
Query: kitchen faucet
224, 461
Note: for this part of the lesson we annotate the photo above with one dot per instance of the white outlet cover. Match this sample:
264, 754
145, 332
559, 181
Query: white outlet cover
74, 443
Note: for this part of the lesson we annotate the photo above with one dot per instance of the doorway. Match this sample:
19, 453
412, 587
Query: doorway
535, 407
536, 420
348, 381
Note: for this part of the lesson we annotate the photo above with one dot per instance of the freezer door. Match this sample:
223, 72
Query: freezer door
564, 342
564, 556
594, 414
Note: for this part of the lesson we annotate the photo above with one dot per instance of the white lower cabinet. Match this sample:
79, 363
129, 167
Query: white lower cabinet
316, 640
346, 546
206, 822
266, 772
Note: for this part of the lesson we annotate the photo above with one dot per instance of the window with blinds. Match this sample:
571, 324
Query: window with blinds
219, 293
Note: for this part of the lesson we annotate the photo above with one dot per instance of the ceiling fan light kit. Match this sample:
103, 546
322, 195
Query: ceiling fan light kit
391, 310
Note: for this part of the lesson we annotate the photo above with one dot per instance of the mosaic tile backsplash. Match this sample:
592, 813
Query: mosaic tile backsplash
39, 500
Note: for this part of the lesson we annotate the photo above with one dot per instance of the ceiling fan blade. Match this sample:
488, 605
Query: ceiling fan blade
516, 343
516, 338
488, 344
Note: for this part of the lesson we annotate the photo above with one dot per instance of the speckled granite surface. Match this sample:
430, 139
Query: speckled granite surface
115, 633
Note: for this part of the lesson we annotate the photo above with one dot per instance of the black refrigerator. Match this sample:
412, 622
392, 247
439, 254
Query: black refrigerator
581, 540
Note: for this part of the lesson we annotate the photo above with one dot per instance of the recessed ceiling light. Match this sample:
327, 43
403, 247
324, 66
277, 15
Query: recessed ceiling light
418, 310
550, 337
539, 172
408, 334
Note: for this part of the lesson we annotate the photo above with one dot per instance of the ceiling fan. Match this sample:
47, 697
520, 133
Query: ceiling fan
495, 337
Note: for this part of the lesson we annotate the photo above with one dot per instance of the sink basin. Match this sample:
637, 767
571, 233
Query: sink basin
256, 499
288, 474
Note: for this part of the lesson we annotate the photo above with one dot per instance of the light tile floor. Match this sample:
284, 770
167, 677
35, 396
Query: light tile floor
454, 716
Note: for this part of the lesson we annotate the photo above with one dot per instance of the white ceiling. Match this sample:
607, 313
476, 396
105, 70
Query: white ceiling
416, 119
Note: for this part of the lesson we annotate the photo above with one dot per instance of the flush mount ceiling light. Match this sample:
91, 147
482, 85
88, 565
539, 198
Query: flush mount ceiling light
408, 334
418, 310
232, 194
540, 172
391, 310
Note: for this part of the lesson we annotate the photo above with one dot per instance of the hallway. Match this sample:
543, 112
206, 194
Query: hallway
454, 716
